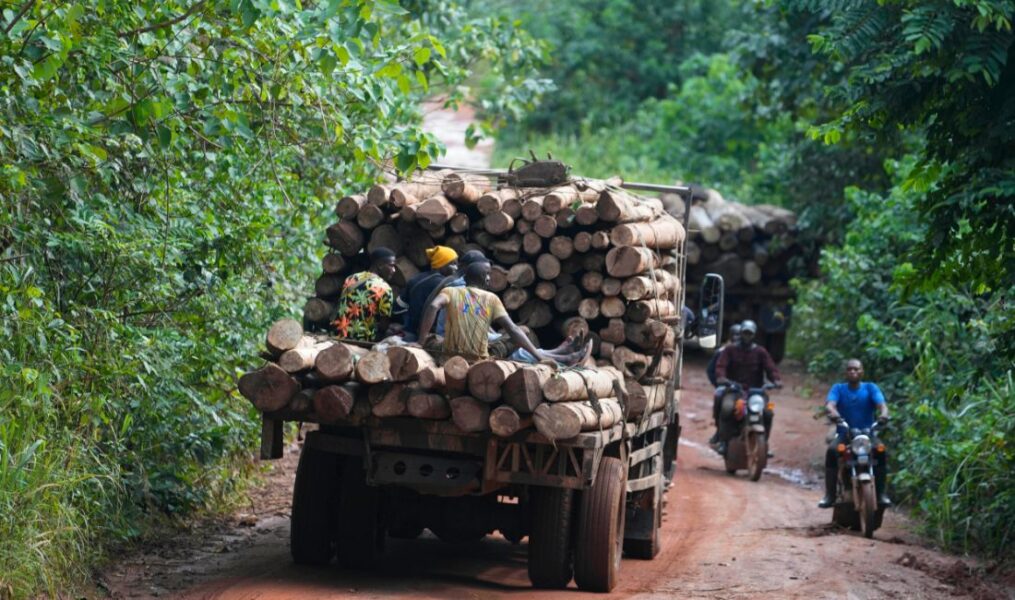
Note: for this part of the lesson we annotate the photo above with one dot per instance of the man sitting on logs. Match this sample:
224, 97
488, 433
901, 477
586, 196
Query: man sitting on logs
720, 390
746, 363
413, 299
366, 302
470, 310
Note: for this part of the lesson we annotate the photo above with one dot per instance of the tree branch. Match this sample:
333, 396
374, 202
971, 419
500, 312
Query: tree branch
163, 24
24, 9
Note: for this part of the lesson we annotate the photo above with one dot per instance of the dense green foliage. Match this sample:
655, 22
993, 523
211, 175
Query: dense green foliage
610, 55
888, 127
943, 357
167, 169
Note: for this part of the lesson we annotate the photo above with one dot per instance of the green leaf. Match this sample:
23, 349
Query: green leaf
46, 69
421, 56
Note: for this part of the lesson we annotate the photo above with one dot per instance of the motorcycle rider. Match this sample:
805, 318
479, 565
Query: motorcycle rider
853, 402
720, 390
746, 363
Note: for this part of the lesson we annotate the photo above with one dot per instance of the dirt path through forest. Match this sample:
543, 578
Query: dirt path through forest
723, 537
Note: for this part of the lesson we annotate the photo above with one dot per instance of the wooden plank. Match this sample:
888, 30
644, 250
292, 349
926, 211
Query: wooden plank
647, 452
271, 438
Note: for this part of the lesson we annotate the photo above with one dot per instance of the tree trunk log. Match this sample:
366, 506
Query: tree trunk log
548, 267
586, 215
370, 216
492, 202
348, 206
752, 273
568, 386
405, 362
373, 367
459, 223
545, 226
698, 220
393, 402
498, 223
625, 261
532, 243
592, 282
423, 405
600, 240
637, 288
618, 206
514, 298
498, 278
588, 308
333, 264
333, 403
328, 286
535, 314
346, 237
464, 189
612, 286
521, 275
269, 388
435, 210
456, 375
486, 379
582, 241
614, 332
505, 421
470, 415
559, 198
664, 233
645, 399
532, 208
546, 290
318, 311
523, 389
386, 236
642, 310
562, 247
636, 364
284, 334
567, 419
649, 335
567, 299
302, 357
337, 362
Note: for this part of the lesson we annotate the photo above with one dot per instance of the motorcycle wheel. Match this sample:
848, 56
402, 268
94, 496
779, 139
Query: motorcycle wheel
757, 452
868, 505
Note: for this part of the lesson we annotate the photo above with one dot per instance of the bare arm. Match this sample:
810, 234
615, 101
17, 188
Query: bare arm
833, 414
519, 336
430, 315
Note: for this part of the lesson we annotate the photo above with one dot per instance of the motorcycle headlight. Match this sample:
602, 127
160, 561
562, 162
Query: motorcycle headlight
861, 445
756, 404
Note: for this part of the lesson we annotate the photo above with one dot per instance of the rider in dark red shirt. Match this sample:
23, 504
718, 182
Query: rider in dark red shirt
747, 364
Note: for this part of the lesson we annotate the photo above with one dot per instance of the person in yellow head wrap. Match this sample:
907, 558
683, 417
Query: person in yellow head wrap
443, 263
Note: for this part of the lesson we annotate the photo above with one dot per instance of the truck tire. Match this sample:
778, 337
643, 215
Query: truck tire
315, 502
601, 528
360, 535
550, 558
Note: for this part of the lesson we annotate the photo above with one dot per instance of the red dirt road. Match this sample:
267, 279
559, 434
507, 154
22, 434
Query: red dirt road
723, 537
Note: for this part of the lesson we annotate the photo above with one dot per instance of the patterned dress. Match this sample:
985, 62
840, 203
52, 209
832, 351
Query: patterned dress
365, 299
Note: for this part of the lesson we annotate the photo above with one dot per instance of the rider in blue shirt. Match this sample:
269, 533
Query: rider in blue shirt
854, 403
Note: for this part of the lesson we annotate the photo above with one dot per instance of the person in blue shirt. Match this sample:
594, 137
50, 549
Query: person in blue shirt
854, 403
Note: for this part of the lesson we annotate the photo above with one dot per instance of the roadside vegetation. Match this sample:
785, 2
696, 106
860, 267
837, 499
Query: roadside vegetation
888, 128
165, 168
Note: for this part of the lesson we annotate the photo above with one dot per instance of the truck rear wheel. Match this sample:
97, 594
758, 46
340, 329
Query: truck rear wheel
550, 558
360, 535
315, 501
601, 528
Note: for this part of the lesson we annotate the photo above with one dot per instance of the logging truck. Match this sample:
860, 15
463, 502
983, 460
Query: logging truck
575, 460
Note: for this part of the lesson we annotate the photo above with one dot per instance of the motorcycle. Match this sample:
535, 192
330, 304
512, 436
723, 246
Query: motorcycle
749, 448
856, 505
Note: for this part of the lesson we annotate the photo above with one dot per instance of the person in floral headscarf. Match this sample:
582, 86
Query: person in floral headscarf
365, 305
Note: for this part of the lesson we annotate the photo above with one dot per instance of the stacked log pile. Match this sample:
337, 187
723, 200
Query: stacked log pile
584, 258
317, 379
752, 246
